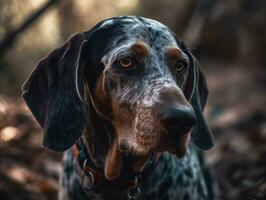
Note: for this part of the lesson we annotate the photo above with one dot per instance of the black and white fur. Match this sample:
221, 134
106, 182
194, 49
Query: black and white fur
55, 94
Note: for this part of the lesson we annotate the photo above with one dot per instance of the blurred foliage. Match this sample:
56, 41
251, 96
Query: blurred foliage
226, 30
228, 37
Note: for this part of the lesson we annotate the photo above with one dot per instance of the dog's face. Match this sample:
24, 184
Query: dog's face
140, 88
136, 75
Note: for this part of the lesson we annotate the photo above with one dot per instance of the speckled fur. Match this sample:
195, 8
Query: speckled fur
61, 93
186, 178
139, 93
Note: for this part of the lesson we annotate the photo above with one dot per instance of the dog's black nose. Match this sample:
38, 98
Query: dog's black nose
177, 119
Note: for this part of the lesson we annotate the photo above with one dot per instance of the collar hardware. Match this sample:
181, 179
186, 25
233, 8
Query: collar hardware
134, 192
94, 179
87, 178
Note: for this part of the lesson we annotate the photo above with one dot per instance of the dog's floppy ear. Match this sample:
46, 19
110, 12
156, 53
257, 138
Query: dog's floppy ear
196, 92
53, 94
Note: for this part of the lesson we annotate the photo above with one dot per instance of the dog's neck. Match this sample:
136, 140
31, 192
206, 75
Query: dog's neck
101, 146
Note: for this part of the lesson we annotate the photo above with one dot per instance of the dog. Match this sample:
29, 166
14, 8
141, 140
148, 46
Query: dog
124, 101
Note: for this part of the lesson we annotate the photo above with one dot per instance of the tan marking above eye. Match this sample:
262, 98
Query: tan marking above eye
140, 49
173, 53
126, 62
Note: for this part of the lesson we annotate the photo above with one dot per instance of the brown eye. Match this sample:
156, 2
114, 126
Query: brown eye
126, 62
179, 66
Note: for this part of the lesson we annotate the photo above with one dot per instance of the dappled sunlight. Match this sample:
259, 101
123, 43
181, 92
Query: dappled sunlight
126, 4
9, 133
3, 106
51, 30
17, 174
31, 181
36, 4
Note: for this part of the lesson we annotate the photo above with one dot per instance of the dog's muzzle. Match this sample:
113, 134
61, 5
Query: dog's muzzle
175, 113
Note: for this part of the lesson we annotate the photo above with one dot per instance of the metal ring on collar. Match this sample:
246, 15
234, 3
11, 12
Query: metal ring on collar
89, 185
133, 193
88, 175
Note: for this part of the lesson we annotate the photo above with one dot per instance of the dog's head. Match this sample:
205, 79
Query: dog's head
138, 76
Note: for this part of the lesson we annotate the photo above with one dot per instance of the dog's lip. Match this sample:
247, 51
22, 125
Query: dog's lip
177, 130
174, 144
178, 144
170, 142
178, 137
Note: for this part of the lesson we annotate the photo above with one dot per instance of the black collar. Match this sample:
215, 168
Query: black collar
94, 179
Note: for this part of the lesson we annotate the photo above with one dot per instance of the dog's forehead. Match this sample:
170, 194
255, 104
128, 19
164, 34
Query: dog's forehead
132, 20
134, 27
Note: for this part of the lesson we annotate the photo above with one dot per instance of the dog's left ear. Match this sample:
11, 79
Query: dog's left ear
54, 90
196, 92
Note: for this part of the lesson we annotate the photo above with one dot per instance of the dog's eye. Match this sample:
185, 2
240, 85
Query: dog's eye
180, 66
126, 62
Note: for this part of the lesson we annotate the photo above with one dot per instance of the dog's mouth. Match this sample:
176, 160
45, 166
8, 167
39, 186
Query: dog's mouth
114, 159
175, 144
178, 146
141, 142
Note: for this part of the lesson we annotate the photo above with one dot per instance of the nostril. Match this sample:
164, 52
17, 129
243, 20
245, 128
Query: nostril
178, 118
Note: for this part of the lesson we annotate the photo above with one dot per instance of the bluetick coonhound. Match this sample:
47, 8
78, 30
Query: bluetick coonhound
123, 100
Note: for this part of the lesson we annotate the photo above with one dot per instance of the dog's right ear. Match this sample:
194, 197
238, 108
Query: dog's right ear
196, 92
53, 93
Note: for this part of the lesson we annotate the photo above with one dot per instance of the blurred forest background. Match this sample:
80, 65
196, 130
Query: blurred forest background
228, 38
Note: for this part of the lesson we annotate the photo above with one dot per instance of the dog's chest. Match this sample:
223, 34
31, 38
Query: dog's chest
173, 178
176, 178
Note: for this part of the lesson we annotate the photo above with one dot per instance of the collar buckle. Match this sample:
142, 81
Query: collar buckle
134, 192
